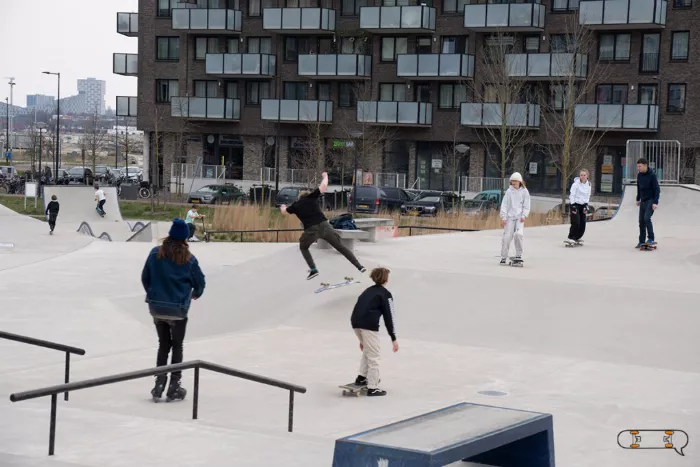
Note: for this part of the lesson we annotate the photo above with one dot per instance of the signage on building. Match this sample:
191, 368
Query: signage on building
606, 183
339, 143
533, 168
437, 164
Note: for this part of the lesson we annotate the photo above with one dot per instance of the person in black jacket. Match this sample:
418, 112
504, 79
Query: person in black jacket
648, 192
52, 211
374, 303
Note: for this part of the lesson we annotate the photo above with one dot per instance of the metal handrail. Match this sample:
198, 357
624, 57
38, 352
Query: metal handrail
118, 378
68, 349
207, 235
447, 229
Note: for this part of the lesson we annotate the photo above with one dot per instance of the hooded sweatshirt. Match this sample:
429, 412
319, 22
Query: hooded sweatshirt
580, 192
516, 203
648, 187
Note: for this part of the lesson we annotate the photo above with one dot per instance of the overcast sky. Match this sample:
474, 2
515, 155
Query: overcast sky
73, 37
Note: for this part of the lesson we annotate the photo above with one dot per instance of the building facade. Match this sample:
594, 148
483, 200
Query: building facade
41, 102
438, 94
94, 91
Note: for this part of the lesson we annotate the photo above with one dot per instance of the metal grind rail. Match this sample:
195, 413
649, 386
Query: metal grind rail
118, 378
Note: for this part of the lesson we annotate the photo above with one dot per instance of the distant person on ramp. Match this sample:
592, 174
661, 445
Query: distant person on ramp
192, 214
100, 198
579, 197
171, 278
648, 192
515, 208
316, 226
52, 213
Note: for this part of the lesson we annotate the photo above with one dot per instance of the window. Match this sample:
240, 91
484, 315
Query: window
531, 45
454, 44
396, 2
352, 7
168, 48
206, 88
564, 5
255, 91
682, 3
611, 94
497, 47
346, 95
648, 94
679, 45
293, 46
323, 91
325, 45
393, 92
422, 92
392, 46
562, 43
204, 46
452, 95
231, 89
299, 4
424, 45
255, 7
233, 45
649, 58
164, 7
614, 47
453, 6
166, 89
676, 98
259, 45
295, 90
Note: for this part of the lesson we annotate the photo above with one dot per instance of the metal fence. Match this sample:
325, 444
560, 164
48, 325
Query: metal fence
190, 171
477, 184
293, 176
664, 158
397, 180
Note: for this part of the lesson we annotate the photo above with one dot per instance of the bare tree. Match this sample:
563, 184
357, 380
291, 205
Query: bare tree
453, 155
93, 141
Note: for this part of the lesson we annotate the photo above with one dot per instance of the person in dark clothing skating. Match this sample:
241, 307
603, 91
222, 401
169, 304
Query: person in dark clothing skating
648, 192
52, 211
171, 278
316, 226
374, 303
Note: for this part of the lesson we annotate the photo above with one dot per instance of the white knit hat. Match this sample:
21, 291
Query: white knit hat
516, 176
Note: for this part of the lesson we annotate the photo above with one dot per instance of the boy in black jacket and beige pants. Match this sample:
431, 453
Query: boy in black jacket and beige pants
374, 303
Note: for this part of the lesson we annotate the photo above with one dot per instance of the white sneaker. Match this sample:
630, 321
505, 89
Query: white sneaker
194, 238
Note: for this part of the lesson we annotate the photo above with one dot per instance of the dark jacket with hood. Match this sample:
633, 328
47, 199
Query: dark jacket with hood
648, 187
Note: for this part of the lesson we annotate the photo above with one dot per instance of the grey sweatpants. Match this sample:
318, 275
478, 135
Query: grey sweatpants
325, 231
513, 229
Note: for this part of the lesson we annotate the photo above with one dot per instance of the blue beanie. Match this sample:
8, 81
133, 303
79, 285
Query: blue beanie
179, 230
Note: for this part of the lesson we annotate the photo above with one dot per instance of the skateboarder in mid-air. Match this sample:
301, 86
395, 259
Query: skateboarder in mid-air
578, 200
648, 192
100, 198
373, 304
515, 207
316, 226
52, 211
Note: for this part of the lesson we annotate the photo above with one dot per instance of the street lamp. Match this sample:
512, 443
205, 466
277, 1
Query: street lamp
57, 145
356, 135
462, 149
41, 127
7, 139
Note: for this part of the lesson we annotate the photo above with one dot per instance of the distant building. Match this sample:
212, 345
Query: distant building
94, 91
41, 102
75, 105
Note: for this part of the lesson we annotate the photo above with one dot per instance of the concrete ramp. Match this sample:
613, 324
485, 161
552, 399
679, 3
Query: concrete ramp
677, 204
78, 203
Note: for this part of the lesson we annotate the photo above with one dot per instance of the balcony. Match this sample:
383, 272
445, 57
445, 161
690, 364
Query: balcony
299, 20
257, 66
547, 66
126, 106
335, 66
490, 115
508, 17
206, 108
296, 111
398, 19
128, 24
207, 20
125, 64
435, 66
633, 117
623, 14
390, 113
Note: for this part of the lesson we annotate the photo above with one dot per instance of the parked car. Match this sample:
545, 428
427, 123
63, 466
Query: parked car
63, 177
217, 194
431, 204
104, 174
489, 195
372, 199
288, 195
81, 175
477, 208
134, 175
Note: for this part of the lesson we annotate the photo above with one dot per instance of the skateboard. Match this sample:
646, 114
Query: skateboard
647, 247
515, 262
99, 211
328, 286
353, 389
572, 243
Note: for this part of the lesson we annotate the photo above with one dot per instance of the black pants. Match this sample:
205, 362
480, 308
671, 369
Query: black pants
325, 231
101, 206
646, 228
193, 229
171, 334
52, 221
578, 222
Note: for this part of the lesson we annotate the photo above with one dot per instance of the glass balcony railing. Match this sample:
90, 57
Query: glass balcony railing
299, 20
509, 16
206, 108
435, 66
640, 117
242, 65
395, 113
631, 14
296, 111
128, 24
544, 66
491, 115
126, 106
384, 19
207, 19
125, 64
335, 66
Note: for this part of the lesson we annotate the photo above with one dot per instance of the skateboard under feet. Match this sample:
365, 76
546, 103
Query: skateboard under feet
572, 243
515, 262
353, 389
100, 212
647, 247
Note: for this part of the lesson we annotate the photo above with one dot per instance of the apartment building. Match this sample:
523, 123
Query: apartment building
299, 84
94, 91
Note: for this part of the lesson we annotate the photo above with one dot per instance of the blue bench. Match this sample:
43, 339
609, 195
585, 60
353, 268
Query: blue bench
495, 436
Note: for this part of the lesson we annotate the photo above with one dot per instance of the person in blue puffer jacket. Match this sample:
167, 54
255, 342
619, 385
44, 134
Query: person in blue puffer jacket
171, 278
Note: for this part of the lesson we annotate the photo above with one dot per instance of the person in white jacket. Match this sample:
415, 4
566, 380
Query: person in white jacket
580, 195
515, 208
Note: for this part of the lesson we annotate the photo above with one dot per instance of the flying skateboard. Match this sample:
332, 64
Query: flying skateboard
647, 247
353, 389
328, 286
572, 243
99, 211
515, 261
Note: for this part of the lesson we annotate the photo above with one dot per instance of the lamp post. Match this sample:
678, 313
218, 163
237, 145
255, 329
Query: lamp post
462, 149
57, 145
356, 135
7, 138
41, 127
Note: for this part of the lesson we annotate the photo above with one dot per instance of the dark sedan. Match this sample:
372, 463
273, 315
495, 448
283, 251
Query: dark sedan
430, 204
217, 194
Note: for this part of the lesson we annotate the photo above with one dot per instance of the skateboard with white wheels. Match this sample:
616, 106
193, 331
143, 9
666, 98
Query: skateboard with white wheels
515, 261
572, 243
329, 286
353, 389
647, 247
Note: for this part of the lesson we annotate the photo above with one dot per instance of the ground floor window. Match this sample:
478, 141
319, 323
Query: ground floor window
610, 165
540, 173
437, 169
226, 150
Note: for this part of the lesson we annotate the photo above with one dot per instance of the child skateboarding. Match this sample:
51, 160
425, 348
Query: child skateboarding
579, 197
515, 208
100, 198
192, 214
316, 226
373, 304
648, 192
52, 212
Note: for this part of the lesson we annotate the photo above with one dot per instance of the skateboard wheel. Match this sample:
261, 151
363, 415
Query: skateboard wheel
634, 432
669, 432
634, 446
668, 446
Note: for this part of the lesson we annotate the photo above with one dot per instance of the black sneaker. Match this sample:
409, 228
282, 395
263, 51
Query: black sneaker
503, 261
175, 391
376, 392
159, 387
313, 273
363, 269
361, 381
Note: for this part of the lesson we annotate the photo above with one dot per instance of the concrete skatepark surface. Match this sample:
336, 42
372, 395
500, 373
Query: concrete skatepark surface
604, 337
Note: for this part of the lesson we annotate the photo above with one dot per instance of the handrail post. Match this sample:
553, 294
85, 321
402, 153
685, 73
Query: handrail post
278, 236
195, 397
291, 411
67, 375
52, 426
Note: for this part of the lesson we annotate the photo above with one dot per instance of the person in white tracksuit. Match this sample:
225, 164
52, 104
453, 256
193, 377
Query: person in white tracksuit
515, 208
578, 200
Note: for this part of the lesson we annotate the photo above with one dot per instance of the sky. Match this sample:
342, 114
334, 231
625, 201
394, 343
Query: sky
73, 37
